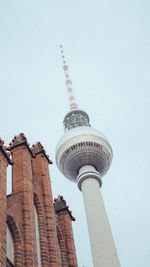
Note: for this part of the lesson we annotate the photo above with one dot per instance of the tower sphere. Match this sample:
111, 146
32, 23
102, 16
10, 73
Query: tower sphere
82, 145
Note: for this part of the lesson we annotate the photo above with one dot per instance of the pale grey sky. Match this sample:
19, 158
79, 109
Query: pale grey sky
107, 44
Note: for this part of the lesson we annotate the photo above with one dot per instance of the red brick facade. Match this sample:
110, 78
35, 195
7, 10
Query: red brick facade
31, 189
4, 160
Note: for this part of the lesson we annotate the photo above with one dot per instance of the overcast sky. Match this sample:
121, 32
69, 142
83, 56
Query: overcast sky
107, 44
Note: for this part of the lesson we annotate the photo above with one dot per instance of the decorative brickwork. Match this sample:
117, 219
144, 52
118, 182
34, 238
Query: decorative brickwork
31, 189
41, 177
64, 219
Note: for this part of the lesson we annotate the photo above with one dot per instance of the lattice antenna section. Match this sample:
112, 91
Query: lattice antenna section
72, 100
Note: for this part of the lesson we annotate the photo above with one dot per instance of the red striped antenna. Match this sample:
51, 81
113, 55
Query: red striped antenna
72, 100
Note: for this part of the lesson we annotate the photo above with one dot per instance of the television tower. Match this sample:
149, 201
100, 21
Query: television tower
84, 155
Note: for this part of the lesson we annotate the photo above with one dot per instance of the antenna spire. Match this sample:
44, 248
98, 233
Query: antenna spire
72, 100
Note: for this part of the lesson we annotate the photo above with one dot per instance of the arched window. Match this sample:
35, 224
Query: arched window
9, 248
37, 238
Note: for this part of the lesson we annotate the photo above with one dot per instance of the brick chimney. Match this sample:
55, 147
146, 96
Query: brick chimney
22, 182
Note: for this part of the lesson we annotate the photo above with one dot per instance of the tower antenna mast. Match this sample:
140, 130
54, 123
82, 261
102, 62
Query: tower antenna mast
71, 97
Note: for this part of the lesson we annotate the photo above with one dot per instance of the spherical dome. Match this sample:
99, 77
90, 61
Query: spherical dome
83, 146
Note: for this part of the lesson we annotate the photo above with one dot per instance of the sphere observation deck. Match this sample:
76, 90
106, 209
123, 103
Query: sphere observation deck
82, 145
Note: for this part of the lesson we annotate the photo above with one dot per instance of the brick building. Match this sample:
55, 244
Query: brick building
34, 230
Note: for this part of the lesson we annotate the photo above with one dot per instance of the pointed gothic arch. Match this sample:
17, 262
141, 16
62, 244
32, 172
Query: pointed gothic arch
42, 231
17, 240
62, 246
